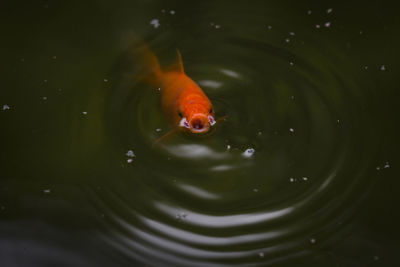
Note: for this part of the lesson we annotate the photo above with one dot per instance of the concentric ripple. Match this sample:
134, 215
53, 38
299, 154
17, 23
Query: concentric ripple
278, 179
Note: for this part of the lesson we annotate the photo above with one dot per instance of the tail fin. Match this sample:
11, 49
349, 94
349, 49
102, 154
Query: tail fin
147, 68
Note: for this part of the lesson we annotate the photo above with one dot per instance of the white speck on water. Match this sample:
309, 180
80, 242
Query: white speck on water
291, 33
155, 23
129, 160
84, 112
313, 240
338, 121
317, 26
6, 107
181, 216
259, 133
248, 152
105, 80
291, 63
255, 190
45, 81
130, 154
386, 165
172, 12
383, 68
376, 258
361, 32
365, 67
378, 168
305, 178
291, 179
269, 27
309, 12
158, 130
217, 26
287, 40
47, 191
54, 57
163, 10
228, 147
292, 97
261, 254
327, 24
329, 10
44, 98
291, 130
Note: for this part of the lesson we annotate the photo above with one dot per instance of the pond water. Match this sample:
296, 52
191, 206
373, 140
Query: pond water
303, 171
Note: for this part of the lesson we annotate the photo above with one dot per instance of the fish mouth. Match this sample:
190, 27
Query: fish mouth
199, 124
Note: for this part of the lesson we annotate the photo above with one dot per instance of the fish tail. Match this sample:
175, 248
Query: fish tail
147, 68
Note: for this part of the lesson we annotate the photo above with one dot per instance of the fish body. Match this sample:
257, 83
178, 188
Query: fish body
184, 103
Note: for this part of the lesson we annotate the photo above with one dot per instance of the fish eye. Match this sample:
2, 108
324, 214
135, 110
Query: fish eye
180, 114
211, 110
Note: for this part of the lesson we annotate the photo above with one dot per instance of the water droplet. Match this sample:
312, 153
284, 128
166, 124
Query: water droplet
130, 154
248, 152
155, 23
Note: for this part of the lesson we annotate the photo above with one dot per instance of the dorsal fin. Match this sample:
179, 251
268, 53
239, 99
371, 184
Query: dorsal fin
178, 65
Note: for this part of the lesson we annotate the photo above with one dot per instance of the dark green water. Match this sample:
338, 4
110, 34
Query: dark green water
304, 172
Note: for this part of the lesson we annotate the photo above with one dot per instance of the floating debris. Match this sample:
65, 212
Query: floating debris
313, 241
6, 107
130, 154
269, 27
105, 80
291, 63
305, 178
292, 180
291, 130
84, 112
217, 26
46, 191
287, 40
383, 68
378, 168
291, 33
329, 10
248, 152
44, 98
172, 12
365, 67
309, 12
327, 24
255, 190
228, 147
158, 130
155, 23
259, 133
317, 26
261, 254
386, 166
129, 160
181, 216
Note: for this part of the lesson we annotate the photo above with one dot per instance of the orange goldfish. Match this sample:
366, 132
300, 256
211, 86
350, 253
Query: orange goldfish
182, 100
